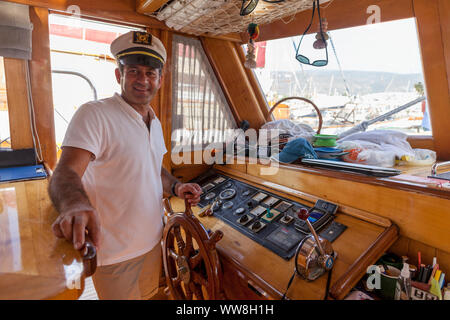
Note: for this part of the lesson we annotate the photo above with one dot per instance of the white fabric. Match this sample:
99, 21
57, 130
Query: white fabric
297, 130
200, 112
377, 147
15, 31
124, 181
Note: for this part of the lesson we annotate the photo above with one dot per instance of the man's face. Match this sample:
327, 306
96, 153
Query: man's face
139, 83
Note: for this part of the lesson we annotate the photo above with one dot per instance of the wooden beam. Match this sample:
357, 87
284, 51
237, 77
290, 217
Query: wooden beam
444, 14
166, 98
339, 13
232, 75
264, 107
41, 85
119, 11
17, 93
149, 6
433, 31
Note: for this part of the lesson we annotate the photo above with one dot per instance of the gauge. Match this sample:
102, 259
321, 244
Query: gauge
228, 205
227, 194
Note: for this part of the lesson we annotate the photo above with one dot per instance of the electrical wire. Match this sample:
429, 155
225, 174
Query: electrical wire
34, 133
296, 271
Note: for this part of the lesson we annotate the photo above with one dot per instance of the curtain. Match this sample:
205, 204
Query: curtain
15, 31
200, 112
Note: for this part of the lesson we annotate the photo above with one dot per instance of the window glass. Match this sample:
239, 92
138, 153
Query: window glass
5, 140
200, 112
372, 70
82, 66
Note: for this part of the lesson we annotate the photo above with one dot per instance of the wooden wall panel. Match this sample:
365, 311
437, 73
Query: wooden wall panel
433, 29
408, 247
444, 15
232, 75
17, 93
41, 84
259, 94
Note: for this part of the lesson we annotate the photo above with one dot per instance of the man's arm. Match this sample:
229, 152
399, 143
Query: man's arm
76, 214
172, 186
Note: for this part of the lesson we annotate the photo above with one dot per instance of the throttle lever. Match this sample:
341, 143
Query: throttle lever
303, 214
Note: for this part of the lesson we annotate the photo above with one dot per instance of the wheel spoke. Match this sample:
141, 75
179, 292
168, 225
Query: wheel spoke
188, 249
195, 260
199, 279
188, 292
173, 254
176, 281
179, 237
197, 289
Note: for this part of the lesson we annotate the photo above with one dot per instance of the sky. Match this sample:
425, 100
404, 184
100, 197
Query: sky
387, 47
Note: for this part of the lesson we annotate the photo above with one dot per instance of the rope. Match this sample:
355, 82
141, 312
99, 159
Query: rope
221, 17
340, 67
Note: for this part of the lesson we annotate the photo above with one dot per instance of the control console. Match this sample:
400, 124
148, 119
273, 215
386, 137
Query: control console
264, 217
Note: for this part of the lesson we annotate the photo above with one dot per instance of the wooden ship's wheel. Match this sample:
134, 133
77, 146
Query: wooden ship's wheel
191, 262
319, 114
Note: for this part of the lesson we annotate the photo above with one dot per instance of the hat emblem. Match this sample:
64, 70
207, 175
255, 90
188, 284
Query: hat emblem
142, 38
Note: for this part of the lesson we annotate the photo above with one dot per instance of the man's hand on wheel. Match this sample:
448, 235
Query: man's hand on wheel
189, 191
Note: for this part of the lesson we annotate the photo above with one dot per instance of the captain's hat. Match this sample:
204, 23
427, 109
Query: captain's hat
136, 47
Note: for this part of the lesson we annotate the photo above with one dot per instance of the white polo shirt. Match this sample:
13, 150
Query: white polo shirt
124, 181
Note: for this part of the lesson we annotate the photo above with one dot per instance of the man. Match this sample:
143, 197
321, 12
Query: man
109, 181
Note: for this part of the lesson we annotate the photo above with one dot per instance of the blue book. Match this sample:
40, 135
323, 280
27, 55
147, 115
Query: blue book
22, 173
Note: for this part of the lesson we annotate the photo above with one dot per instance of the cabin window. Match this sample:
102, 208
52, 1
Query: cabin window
5, 140
200, 112
82, 65
372, 69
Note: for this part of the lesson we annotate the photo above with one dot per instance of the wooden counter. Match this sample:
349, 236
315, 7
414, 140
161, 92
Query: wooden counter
34, 264
251, 271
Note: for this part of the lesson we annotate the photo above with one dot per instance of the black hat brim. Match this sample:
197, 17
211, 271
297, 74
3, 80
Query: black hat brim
141, 59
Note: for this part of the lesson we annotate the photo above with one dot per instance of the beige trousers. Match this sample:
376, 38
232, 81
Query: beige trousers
134, 279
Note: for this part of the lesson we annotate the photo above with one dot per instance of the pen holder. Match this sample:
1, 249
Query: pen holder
388, 283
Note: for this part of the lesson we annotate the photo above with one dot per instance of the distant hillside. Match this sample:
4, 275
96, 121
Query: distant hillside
331, 82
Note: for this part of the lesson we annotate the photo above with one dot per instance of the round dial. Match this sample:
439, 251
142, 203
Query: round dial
227, 205
227, 194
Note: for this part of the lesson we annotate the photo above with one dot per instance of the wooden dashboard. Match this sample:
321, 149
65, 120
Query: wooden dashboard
251, 271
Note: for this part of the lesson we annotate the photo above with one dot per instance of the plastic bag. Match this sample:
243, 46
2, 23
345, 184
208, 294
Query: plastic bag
422, 157
297, 130
370, 157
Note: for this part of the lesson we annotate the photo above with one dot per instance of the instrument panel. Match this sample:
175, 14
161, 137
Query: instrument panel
264, 217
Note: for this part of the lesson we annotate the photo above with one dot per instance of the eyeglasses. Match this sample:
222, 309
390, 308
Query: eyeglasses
249, 5
247, 9
303, 59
